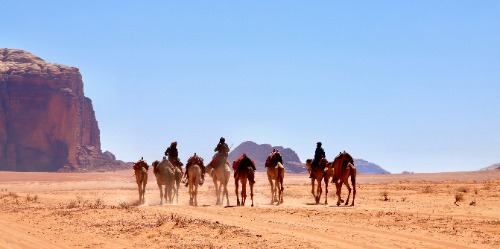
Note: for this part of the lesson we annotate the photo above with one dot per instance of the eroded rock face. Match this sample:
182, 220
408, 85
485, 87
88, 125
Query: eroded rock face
46, 122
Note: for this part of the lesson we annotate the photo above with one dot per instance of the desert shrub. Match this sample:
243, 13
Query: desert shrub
385, 195
72, 204
30, 198
13, 195
97, 203
428, 190
459, 196
463, 189
488, 185
161, 219
124, 205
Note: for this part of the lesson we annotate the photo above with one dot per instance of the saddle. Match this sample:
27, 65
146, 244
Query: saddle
141, 164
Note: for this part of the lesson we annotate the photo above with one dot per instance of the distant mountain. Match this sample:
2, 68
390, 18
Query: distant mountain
291, 161
365, 167
259, 153
492, 167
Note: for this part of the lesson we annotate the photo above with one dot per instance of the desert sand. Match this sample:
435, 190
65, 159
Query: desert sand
100, 210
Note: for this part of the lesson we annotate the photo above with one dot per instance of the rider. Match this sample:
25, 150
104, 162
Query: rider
141, 163
222, 151
319, 154
173, 155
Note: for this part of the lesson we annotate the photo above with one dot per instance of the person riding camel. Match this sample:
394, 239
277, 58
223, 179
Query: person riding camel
319, 154
222, 150
173, 156
195, 159
141, 163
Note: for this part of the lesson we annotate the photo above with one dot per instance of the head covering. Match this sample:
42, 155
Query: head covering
319, 144
222, 140
173, 144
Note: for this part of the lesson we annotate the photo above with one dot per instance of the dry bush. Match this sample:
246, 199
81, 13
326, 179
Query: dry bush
30, 198
13, 195
459, 197
463, 189
161, 219
97, 203
72, 204
488, 185
385, 194
428, 190
124, 205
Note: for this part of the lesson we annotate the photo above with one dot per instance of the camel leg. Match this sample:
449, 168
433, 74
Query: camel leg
339, 191
272, 189
227, 195
190, 192
312, 188
326, 191
251, 191
243, 191
161, 194
140, 191
236, 187
195, 194
353, 182
320, 190
346, 183
143, 192
281, 189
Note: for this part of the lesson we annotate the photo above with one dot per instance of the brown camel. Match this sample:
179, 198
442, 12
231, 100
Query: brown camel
343, 167
141, 177
275, 175
318, 174
166, 174
195, 172
220, 174
244, 173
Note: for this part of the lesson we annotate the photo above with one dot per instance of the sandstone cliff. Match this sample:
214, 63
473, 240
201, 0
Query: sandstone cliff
46, 122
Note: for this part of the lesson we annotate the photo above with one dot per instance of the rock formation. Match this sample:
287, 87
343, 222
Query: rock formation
46, 122
259, 153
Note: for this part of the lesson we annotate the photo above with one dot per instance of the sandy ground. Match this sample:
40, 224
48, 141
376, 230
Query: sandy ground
99, 210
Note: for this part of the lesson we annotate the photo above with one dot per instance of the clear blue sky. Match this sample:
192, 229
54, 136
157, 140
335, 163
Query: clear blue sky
409, 85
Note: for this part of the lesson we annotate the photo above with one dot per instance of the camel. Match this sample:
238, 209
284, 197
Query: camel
141, 177
275, 175
318, 174
170, 176
220, 174
343, 167
244, 173
195, 177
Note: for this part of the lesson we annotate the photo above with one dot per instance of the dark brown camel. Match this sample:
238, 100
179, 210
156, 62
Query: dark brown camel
343, 167
244, 173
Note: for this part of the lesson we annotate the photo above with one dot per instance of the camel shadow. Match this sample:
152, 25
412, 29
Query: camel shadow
314, 204
341, 206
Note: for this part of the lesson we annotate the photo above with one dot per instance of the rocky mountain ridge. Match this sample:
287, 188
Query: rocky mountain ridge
259, 153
